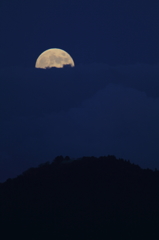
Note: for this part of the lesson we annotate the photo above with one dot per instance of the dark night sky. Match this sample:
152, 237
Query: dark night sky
107, 104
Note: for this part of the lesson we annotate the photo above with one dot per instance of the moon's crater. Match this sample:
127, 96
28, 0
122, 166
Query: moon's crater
54, 57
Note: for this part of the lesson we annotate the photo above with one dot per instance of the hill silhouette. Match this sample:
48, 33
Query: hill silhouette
86, 198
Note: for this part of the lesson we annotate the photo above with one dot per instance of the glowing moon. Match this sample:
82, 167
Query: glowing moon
54, 57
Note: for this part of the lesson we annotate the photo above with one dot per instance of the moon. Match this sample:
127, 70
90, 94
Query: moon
54, 57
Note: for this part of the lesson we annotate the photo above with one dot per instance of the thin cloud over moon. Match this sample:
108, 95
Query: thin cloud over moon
54, 57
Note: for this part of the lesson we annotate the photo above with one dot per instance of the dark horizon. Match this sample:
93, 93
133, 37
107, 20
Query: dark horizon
60, 160
89, 197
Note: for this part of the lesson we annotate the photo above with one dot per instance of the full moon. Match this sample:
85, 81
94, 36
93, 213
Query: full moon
54, 57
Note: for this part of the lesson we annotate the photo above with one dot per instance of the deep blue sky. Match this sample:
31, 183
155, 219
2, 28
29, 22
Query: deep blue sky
107, 104
112, 31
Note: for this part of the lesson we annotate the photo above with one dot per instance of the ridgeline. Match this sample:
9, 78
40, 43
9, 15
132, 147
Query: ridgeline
86, 198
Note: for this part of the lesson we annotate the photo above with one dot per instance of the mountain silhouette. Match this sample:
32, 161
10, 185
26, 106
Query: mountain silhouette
85, 198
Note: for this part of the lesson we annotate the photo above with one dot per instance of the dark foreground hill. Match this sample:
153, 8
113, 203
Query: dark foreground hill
88, 198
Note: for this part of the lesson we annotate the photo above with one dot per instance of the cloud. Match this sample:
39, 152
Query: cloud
26, 92
86, 110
